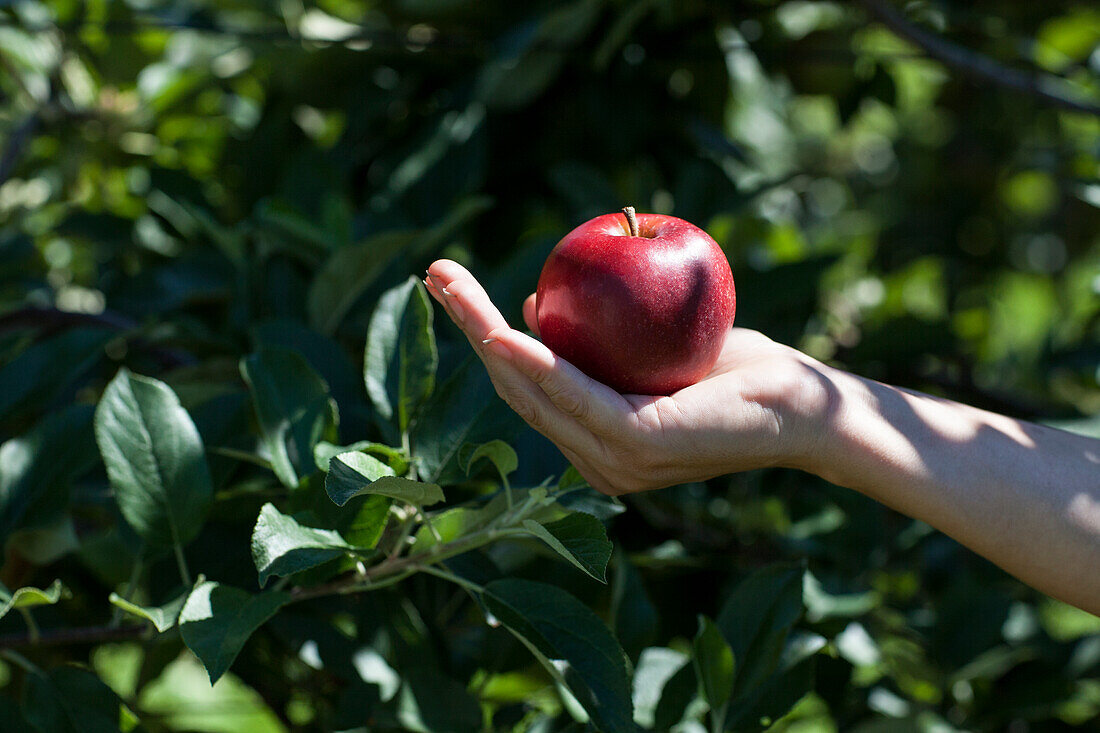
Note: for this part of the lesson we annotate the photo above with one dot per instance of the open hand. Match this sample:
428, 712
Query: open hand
754, 409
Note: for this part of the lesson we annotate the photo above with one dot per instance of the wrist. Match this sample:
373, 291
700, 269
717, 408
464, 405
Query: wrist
813, 414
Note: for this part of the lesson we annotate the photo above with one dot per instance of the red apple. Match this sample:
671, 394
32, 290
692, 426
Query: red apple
641, 303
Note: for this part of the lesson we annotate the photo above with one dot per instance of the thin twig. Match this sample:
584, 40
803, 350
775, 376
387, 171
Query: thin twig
977, 66
85, 635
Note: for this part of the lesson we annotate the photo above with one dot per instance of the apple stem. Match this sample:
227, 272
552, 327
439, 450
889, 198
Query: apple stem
631, 220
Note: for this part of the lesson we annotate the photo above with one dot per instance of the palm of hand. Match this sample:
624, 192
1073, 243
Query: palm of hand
729, 420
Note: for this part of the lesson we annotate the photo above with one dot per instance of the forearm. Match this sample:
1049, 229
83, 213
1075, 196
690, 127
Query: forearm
1026, 497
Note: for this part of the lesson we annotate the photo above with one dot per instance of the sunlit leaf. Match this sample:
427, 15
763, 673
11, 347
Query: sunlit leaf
497, 452
154, 458
355, 474
163, 617
28, 596
282, 546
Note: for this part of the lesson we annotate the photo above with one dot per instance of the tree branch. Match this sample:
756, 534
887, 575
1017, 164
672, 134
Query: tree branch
84, 635
1049, 88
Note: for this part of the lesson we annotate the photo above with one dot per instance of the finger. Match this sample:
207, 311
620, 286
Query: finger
470, 304
433, 289
596, 406
594, 478
483, 324
536, 409
530, 315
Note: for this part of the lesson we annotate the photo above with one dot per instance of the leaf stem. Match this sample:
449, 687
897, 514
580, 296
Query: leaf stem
19, 660
428, 523
399, 545
135, 576
448, 575
181, 562
32, 625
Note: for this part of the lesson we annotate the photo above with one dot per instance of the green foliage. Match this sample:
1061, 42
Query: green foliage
401, 359
281, 546
714, 666
557, 626
27, 597
154, 458
236, 199
293, 409
217, 620
578, 537
162, 617
72, 700
357, 474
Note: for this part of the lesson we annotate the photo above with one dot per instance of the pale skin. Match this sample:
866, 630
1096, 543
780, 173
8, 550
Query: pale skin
1025, 496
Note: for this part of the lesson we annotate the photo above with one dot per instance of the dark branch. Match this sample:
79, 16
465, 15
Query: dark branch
85, 635
1046, 87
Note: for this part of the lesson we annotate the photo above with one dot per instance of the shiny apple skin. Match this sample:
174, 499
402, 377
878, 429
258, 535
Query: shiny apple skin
644, 315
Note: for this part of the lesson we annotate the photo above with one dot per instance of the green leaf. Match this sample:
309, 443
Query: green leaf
634, 616
565, 630
578, 537
458, 521
820, 604
463, 409
571, 481
281, 546
535, 56
347, 273
714, 665
676, 695
217, 620
776, 695
355, 474
36, 468
293, 408
400, 358
351, 270
27, 596
182, 699
368, 522
395, 458
50, 367
656, 667
154, 458
757, 618
431, 702
349, 472
163, 616
500, 454
71, 699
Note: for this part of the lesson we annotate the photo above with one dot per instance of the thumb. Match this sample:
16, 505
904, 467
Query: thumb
529, 314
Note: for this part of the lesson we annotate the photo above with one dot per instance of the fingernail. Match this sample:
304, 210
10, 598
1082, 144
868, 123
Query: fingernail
497, 347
